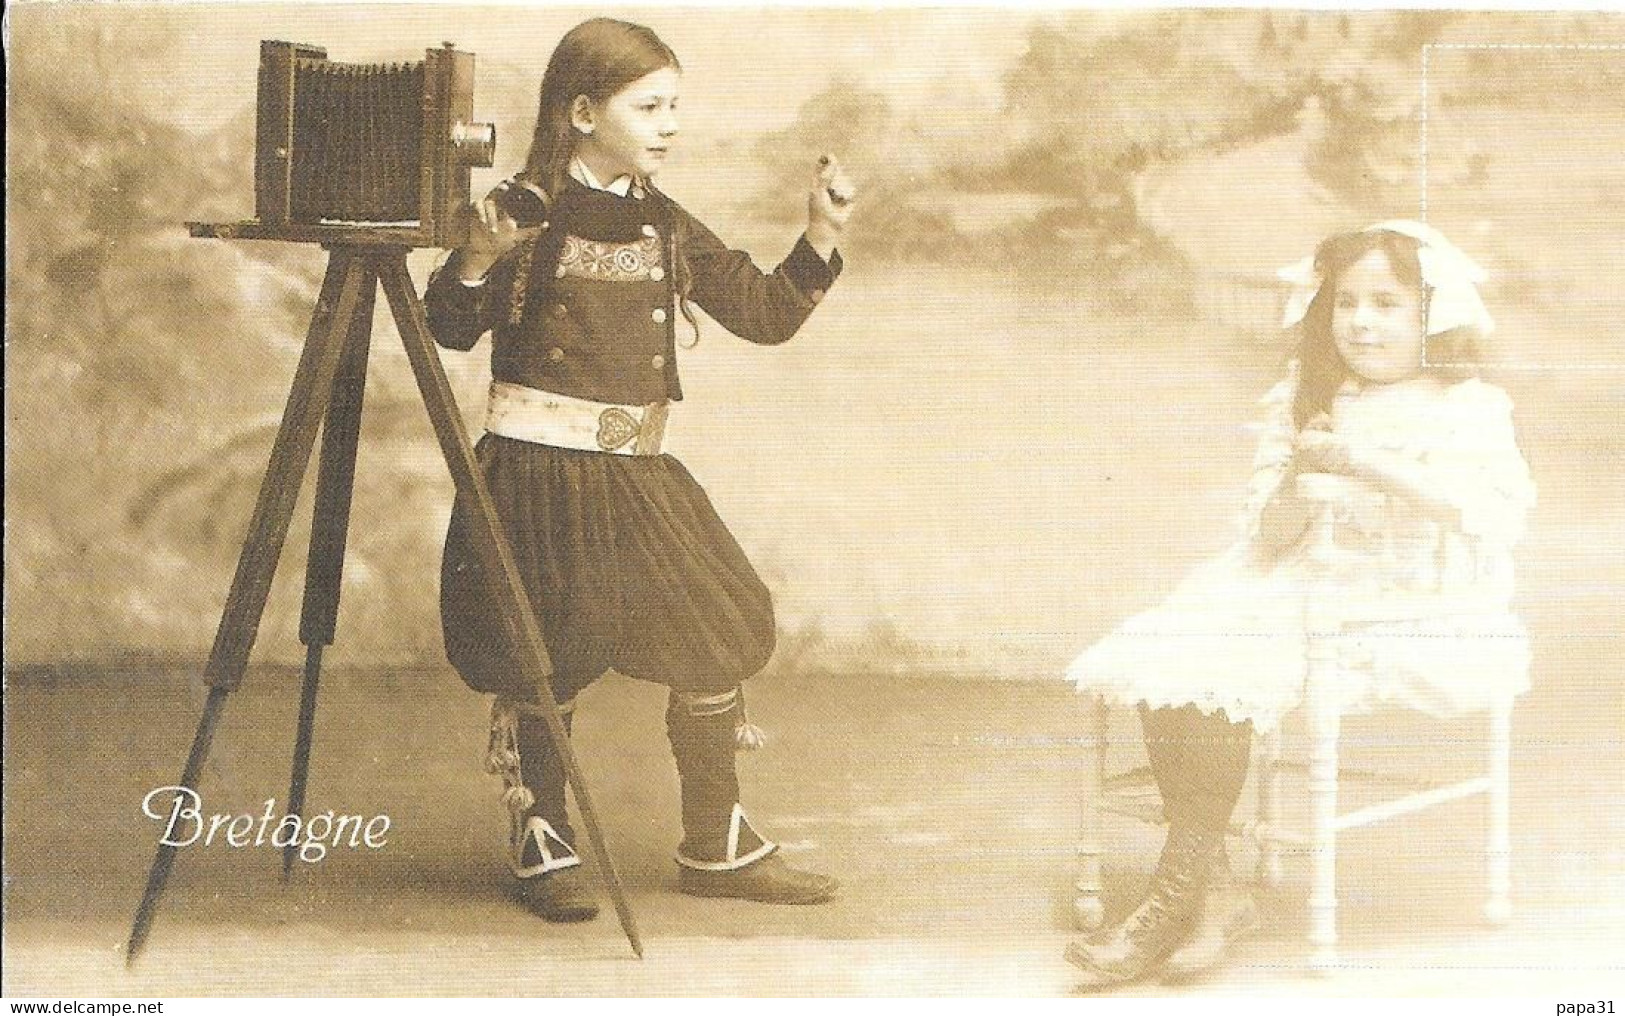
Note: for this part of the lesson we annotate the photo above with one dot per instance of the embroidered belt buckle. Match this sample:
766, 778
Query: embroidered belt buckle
563, 421
616, 427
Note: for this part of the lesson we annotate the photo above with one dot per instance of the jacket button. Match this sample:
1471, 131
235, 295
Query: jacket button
657, 361
657, 273
555, 354
815, 295
560, 310
558, 273
659, 315
649, 230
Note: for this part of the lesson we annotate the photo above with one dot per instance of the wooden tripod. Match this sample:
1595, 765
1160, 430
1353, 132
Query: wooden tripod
327, 394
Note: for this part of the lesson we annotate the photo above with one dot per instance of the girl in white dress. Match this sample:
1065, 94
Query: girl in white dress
1384, 395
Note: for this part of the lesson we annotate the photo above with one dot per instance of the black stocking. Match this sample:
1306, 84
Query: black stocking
1200, 763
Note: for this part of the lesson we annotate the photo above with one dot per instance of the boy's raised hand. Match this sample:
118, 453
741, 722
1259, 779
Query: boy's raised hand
829, 205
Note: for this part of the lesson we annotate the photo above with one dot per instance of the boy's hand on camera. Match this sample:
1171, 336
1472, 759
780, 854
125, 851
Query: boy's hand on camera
491, 234
829, 205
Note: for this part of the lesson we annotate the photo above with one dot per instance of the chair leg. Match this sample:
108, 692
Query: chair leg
1498, 852
1269, 809
1088, 910
1324, 730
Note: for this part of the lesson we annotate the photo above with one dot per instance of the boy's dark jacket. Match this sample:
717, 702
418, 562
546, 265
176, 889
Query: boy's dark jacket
615, 341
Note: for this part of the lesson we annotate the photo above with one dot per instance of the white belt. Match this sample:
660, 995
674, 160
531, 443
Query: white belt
563, 421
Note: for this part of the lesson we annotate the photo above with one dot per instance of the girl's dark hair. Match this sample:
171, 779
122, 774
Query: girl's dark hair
596, 58
1451, 355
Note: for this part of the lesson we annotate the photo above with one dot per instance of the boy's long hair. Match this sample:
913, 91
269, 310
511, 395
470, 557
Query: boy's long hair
596, 58
1451, 355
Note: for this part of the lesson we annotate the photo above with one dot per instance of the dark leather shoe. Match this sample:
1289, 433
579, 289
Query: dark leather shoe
1131, 951
1228, 913
769, 880
1137, 947
562, 896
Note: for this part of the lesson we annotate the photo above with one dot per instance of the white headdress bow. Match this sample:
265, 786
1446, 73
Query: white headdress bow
1451, 277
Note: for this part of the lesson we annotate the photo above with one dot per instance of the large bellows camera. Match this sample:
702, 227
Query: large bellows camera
379, 145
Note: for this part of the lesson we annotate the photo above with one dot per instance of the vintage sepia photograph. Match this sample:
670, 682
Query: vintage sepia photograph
726, 501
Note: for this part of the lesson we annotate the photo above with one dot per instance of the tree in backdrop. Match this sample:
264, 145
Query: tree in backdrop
1095, 100
146, 370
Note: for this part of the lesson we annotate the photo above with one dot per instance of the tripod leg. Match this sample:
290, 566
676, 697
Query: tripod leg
166, 852
324, 567
239, 622
496, 557
290, 456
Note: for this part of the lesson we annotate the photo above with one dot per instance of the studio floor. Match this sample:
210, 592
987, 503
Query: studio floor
947, 808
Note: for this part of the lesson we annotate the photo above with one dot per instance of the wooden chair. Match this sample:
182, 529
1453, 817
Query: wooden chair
1331, 620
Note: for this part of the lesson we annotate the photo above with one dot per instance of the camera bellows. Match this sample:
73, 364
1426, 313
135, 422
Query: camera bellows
366, 143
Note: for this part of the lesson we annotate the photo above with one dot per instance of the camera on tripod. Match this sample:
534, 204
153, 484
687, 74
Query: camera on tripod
389, 146
369, 161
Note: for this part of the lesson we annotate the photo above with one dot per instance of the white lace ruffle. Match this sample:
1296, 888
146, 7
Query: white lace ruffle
1232, 635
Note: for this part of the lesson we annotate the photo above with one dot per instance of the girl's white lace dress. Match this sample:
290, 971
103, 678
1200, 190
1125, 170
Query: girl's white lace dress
1233, 634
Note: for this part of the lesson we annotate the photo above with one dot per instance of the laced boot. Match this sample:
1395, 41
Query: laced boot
1137, 947
1227, 914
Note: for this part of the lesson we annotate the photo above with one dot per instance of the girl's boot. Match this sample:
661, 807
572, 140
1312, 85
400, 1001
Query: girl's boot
1228, 913
1200, 763
1137, 947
